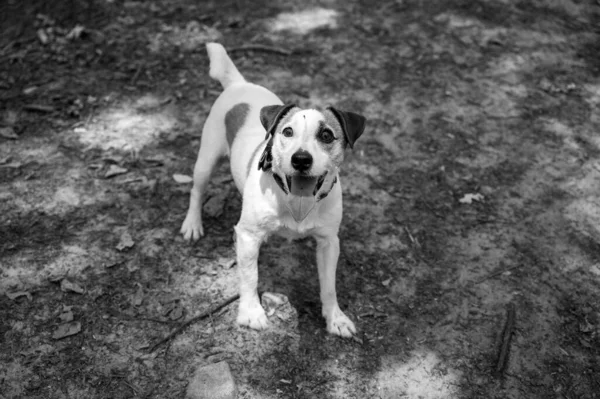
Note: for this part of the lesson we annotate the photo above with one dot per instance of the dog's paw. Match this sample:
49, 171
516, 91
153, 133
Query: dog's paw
252, 316
339, 324
192, 228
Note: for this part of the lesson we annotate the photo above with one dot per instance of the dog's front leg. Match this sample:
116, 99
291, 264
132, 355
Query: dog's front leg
250, 311
328, 251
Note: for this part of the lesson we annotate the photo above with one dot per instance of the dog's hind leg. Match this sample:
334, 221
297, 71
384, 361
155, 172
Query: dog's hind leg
213, 147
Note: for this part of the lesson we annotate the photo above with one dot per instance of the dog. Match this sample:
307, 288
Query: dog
284, 161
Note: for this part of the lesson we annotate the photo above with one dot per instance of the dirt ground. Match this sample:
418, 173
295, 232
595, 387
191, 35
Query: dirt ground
475, 188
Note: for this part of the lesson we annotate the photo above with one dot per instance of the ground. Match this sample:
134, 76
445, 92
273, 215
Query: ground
475, 188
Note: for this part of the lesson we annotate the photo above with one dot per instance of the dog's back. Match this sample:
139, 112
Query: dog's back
233, 125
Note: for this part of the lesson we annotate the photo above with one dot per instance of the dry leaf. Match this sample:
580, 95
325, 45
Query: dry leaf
14, 295
114, 170
182, 179
214, 206
42, 36
8, 133
469, 198
66, 317
67, 329
226, 263
176, 313
125, 242
138, 297
66, 286
30, 90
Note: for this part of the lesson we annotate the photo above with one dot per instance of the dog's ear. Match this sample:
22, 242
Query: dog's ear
353, 125
270, 116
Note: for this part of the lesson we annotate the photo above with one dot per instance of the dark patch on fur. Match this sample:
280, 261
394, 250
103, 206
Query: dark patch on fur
252, 160
266, 159
234, 120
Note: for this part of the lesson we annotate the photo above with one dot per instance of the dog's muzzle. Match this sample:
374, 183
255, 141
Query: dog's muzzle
303, 193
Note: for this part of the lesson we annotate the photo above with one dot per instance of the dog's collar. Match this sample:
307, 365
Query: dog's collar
320, 195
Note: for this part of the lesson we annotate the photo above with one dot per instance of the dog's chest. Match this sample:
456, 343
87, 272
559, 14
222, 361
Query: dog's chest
290, 229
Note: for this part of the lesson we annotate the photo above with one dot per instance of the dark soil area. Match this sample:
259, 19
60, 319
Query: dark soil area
474, 190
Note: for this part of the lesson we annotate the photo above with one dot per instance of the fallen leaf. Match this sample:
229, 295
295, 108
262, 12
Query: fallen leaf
66, 286
125, 242
66, 317
182, 179
8, 133
142, 345
176, 313
75, 33
385, 283
12, 165
138, 297
42, 36
469, 198
214, 206
66, 330
226, 262
114, 170
29, 90
14, 295
113, 264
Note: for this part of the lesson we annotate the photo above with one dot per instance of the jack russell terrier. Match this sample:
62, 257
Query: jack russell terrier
289, 180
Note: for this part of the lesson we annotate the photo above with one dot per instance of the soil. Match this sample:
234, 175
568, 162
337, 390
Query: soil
474, 190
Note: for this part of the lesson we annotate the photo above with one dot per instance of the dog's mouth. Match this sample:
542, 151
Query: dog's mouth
304, 186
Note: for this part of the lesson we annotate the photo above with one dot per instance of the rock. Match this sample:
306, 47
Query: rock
213, 381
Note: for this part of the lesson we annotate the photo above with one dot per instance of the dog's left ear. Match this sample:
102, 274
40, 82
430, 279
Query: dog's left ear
270, 116
353, 125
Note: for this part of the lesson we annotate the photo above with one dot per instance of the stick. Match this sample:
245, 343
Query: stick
509, 327
193, 320
38, 108
260, 47
497, 273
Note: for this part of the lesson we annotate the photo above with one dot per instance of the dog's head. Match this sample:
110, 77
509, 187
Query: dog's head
306, 145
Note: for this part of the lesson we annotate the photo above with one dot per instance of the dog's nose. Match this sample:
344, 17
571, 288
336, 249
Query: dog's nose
302, 160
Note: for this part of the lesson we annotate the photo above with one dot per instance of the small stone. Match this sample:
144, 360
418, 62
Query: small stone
213, 381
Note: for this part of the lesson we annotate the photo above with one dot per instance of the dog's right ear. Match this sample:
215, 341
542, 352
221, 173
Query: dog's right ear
270, 116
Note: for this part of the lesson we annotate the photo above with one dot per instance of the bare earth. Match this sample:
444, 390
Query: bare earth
476, 187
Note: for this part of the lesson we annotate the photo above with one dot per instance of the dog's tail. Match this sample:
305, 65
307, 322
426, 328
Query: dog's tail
221, 66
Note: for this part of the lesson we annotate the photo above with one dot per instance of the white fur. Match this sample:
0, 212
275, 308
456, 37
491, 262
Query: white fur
263, 209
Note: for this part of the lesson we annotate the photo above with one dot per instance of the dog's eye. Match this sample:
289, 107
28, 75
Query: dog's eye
287, 132
326, 136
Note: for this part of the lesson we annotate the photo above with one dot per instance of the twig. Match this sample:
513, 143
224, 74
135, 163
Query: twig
193, 320
38, 108
261, 47
135, 76
497, 273
509, 327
